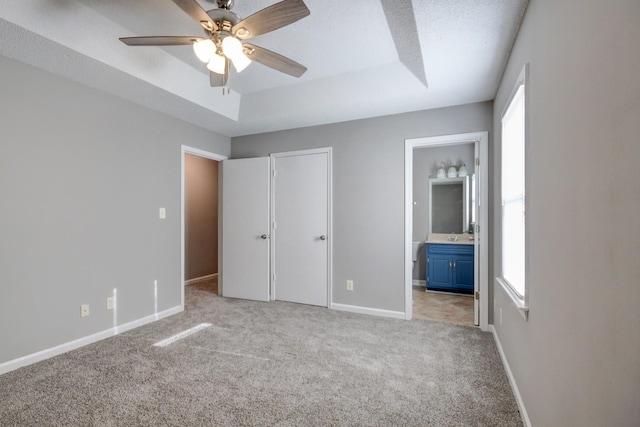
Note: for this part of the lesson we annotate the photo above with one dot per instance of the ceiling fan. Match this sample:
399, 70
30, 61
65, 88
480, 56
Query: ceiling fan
224, 37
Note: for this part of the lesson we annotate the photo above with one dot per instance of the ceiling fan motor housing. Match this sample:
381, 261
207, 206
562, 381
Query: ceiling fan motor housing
222, 15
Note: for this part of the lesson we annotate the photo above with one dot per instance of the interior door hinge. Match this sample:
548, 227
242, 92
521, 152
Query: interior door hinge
274, 225
274, 173
274, 274
477, 295
477, 161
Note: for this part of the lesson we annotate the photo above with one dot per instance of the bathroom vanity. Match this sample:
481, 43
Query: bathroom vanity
450, 266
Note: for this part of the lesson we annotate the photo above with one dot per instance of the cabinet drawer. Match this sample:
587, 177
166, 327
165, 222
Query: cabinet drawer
437, 248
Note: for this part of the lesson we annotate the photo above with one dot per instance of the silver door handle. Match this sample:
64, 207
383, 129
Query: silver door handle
454, 266
263, 237
323, 237
449, 265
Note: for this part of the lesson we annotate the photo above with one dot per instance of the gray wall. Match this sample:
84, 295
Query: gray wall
201, 216
368, 192
576, 360
425, 164
82, 175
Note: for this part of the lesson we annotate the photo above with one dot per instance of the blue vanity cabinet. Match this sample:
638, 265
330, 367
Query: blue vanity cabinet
450, 268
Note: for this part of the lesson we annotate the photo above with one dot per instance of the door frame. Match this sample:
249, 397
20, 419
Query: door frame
185, 149
481, 142
272, 241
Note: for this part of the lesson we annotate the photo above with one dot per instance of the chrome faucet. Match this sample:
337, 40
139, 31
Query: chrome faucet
452, 238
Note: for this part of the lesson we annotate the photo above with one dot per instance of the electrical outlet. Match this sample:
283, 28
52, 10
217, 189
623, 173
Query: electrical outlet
84, 310
110, 303
349, 285
162, 213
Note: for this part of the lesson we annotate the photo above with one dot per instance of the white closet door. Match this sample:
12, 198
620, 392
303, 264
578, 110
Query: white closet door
245, 228
301, 191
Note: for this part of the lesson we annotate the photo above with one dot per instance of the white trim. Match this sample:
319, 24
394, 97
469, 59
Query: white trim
517, 300
370, 311
29, 359
512, 381
329, 152
482, 173
198, 279
185, 149
520, 301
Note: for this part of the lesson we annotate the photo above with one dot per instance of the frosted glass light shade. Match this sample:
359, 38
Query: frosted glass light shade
240, 62
217, 63
204, 49
231, 47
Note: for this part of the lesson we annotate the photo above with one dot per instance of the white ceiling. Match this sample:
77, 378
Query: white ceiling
365, 58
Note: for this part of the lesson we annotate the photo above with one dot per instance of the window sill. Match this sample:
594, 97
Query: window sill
520, 303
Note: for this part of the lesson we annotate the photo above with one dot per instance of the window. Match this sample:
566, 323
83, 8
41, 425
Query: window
513, 212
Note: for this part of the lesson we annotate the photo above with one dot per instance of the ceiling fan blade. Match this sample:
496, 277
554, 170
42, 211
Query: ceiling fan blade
160, 40
219, 80
195, 11
274, 60
271, 18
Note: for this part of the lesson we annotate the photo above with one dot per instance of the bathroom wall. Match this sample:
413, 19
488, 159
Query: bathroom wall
201, 216
425, 164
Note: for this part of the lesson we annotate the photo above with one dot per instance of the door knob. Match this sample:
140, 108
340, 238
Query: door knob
263, 237
323, 237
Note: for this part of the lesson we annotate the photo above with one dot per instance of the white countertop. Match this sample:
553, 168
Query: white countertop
441, 238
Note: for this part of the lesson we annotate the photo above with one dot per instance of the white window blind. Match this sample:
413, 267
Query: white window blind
513, 193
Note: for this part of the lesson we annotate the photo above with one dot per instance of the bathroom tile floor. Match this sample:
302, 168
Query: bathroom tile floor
446, 308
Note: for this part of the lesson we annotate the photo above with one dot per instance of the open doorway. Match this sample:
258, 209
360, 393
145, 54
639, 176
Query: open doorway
442, 206
470, 266
200, 220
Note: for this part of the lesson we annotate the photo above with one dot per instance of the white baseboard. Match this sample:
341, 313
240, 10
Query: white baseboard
197, 279
416, 282
512, 380
369, 311
29, 359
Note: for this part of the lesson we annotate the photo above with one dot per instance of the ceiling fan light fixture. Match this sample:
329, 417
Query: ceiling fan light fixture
217, 64
204, 50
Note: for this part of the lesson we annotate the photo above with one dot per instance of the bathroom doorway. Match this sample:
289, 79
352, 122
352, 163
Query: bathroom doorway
200, 219
415, 268
441, 212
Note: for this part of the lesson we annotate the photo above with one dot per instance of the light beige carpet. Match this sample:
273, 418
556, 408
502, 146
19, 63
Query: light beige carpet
269, 364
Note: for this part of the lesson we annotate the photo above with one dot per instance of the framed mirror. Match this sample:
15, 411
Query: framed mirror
450, 204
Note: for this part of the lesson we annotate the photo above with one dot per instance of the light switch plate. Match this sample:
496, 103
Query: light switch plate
84, 310
162, 213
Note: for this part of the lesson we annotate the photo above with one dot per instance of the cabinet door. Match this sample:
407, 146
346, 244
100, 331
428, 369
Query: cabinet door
439, 271
463, 273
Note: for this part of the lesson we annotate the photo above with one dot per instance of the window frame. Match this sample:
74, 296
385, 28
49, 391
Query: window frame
520, 301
